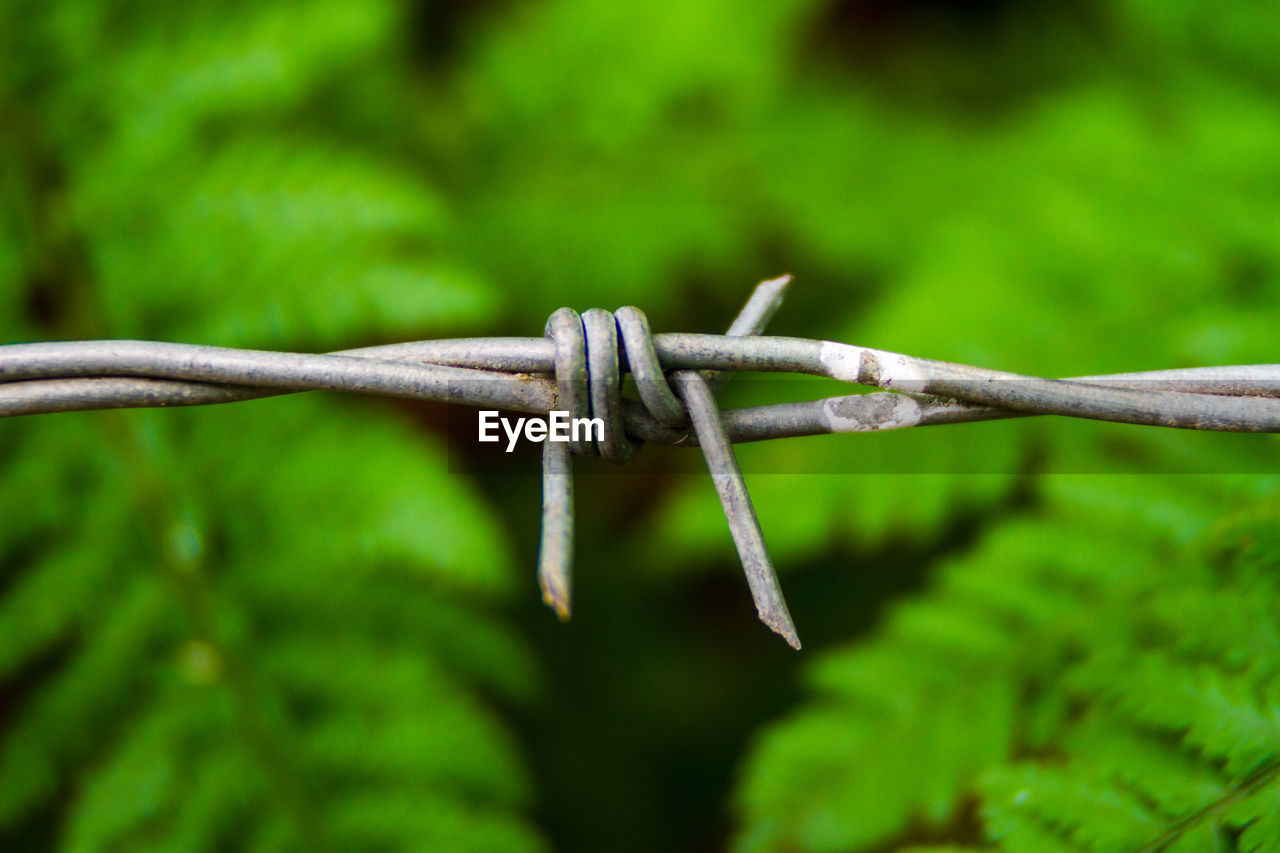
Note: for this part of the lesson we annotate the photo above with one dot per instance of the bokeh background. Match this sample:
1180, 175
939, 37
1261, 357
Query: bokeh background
294, 624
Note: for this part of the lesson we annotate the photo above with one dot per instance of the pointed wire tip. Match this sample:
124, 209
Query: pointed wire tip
781, 625
774, 289
764, 301
557, 601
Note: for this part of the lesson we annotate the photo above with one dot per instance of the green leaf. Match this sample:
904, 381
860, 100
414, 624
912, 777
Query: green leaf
1090, 685
270, 626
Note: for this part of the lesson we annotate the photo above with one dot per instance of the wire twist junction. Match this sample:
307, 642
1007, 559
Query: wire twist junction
588, 361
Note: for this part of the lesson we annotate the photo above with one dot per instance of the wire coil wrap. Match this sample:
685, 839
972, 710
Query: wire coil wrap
591, 351
564, 327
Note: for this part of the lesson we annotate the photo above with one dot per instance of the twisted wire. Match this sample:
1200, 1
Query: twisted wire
577, 367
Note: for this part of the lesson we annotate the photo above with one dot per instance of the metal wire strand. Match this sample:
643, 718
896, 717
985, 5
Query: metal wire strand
555, 546
731, 488
1236, 399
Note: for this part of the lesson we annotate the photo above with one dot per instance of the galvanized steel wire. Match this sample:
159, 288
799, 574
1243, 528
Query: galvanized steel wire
577, 367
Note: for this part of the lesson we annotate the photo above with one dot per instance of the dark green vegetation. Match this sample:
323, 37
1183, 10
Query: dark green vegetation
289, 625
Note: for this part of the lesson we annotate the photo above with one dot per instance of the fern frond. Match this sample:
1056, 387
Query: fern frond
265, 627
67, 717
1124, 698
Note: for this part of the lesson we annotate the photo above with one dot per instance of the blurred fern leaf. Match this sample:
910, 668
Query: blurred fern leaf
1080, 680
263, 627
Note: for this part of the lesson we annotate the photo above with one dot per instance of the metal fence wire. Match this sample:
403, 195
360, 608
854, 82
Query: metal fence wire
577, 367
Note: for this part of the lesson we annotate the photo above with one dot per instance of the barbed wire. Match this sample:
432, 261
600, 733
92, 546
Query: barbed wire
577, 367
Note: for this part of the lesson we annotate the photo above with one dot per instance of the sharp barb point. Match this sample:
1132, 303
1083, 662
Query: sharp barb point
782, 626
744, 527
555, 553
557, 601
764, 302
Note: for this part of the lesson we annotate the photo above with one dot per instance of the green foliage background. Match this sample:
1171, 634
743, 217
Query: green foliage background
294, 624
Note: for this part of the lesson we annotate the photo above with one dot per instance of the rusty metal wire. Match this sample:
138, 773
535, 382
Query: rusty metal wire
577, 367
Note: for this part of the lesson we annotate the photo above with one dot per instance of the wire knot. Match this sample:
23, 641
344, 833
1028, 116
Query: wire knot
591, 352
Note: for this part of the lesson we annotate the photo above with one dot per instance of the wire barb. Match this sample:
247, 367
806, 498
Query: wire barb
555, 549
598, 370
577, 366
738, 509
